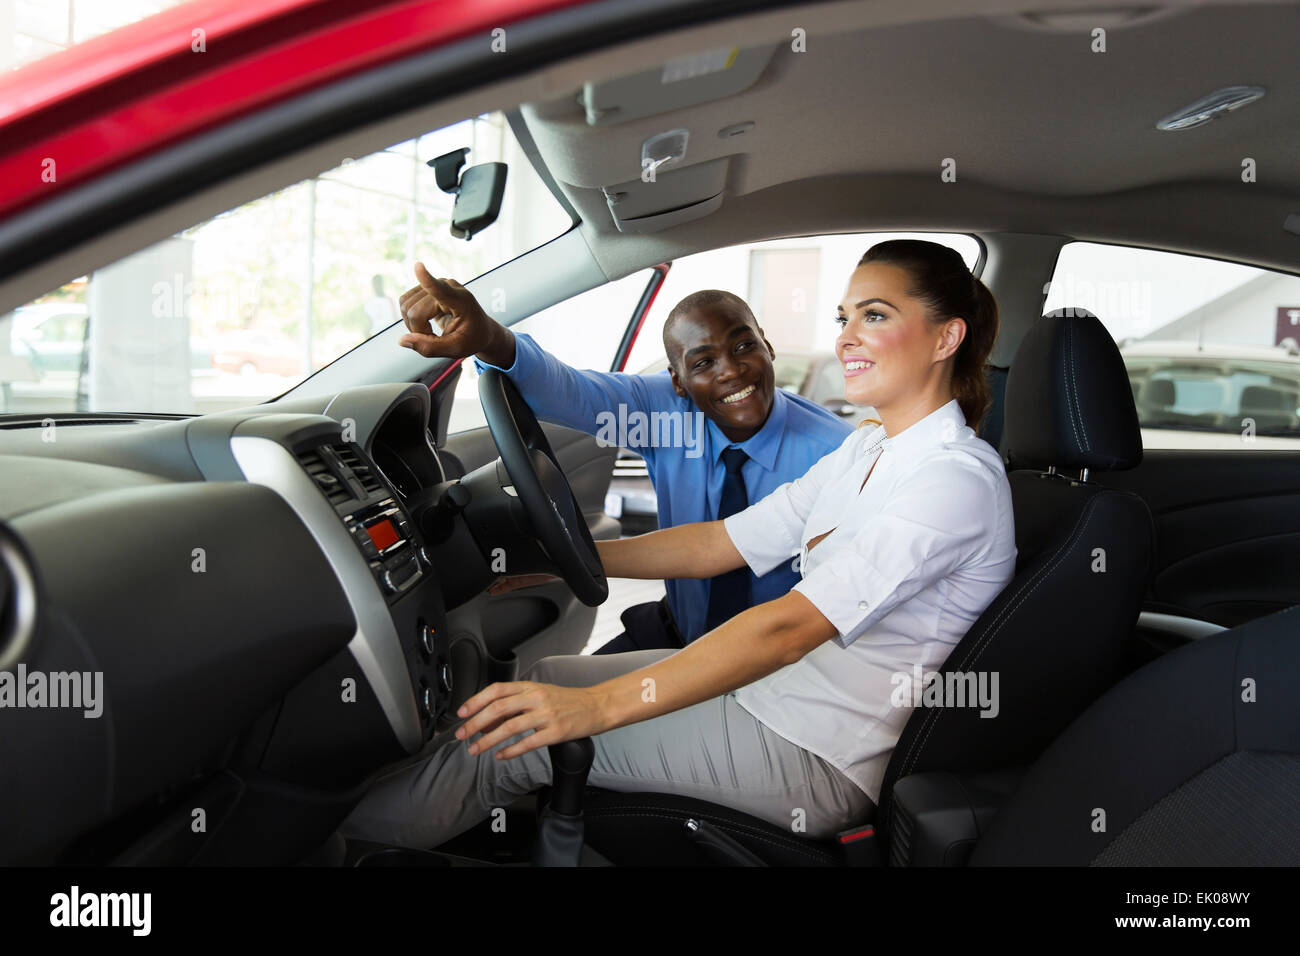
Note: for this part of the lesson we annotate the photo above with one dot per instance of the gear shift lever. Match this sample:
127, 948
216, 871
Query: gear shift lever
560, 828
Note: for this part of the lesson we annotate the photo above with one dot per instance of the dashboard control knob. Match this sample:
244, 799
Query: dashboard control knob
444, 677
426, 640
426, 701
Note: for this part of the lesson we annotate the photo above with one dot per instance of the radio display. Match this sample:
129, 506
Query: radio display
382, 533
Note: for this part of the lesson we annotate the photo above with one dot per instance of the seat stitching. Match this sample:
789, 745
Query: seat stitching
998, 622
1089, 514
933, 714
1069, 368
1074, 384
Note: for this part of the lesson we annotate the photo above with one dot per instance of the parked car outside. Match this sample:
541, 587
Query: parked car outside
50, 336
53, 337
256, 352
1219, 396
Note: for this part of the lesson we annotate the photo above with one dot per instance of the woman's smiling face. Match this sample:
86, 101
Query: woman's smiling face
887, 344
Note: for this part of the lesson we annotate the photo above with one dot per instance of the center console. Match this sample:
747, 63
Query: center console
377, 523
394, 681
382, 531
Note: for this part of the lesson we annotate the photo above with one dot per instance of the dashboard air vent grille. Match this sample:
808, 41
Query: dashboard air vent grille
369, 480
321, 473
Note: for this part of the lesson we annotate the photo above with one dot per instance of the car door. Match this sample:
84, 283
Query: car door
525, 625
1227, 530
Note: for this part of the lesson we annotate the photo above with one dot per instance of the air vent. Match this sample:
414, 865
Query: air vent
364, 474
335, 489
900, 838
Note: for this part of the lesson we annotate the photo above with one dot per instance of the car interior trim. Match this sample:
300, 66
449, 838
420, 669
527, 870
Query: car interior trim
1186, 627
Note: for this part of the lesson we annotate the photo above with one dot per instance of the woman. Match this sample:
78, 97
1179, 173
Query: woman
789, 710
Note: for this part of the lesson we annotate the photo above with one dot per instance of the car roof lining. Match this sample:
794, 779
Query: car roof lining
1074, 175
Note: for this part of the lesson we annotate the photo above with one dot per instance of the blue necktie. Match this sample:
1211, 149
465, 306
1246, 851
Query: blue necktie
730, 593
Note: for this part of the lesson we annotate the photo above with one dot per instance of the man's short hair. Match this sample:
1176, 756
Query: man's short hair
705, 300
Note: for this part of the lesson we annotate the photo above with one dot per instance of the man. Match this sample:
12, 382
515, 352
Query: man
737, 437
379, 307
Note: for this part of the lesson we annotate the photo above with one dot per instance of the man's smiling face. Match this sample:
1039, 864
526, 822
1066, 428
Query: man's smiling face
720, 360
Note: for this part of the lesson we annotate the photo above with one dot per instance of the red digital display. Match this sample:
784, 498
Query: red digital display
382, 533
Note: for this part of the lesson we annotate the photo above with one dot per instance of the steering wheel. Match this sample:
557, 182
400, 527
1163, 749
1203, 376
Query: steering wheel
20, 598
553, 513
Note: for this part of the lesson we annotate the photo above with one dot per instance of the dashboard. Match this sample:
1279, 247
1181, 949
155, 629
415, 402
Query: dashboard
260, 598
405, 466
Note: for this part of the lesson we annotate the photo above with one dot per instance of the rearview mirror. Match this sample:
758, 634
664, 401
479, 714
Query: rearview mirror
478, 191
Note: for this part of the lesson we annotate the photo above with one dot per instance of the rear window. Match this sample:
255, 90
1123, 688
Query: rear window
1212, 348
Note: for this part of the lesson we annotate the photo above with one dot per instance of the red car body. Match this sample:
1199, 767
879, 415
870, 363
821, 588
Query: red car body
73, 116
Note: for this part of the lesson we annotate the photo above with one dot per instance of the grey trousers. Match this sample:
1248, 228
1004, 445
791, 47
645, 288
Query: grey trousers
714, 751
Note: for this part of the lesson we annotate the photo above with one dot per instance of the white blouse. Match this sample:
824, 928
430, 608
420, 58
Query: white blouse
910, 562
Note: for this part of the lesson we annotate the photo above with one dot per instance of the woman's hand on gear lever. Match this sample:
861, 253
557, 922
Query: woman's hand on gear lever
465, 328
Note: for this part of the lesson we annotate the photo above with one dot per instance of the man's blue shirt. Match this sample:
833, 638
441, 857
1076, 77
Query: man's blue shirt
682, 449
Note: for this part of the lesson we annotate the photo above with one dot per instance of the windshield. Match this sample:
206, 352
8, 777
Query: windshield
244, 306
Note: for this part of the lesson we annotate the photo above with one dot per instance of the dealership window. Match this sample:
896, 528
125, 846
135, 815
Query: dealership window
240, 308
32, 29
583, 332
779, 290
1212, 348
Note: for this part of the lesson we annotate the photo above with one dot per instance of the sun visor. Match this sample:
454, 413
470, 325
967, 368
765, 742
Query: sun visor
673, 197
681, 81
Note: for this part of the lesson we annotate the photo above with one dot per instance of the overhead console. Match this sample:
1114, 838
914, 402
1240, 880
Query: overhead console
653, 177
682, 81
674, 197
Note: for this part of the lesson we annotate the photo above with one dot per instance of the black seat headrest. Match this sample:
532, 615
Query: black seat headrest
1069, 402
1273, 399
1159, 393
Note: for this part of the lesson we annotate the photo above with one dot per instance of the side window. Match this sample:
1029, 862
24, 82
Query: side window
583, 332
792, 286
1212, 348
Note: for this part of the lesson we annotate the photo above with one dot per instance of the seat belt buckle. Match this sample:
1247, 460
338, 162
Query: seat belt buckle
860, 846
